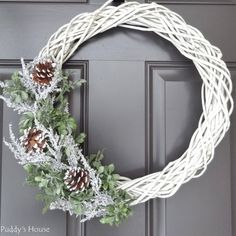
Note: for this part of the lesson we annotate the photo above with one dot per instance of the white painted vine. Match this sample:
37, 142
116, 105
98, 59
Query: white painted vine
217, 103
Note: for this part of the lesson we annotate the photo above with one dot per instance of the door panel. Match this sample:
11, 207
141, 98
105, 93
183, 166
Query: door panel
141, 103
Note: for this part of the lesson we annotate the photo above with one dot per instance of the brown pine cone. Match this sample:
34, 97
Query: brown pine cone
34, 141
43, 72
76, 179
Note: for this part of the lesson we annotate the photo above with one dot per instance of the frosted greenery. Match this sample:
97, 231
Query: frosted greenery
46, 109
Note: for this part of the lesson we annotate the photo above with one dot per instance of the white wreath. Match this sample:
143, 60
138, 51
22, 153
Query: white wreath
217, 102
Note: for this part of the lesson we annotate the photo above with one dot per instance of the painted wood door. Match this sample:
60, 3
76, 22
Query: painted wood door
141, 103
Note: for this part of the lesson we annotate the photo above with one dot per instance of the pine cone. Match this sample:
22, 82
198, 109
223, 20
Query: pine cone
76, 179
43, 72
34, 141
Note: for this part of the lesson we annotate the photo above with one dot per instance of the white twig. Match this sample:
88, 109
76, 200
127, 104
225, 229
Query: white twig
217, 102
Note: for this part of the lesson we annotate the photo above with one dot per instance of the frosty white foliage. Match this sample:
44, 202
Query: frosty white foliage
93, 208
19, 107
96, 207
52, 156
73, 151
40, 91
54, 153
2, 84
62, 204
217, 102
74, 154
95, 180
56, 142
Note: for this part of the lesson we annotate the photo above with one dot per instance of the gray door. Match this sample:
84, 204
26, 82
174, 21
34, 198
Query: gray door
141, 103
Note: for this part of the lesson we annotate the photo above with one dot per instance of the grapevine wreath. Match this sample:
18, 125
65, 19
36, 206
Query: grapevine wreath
49, 147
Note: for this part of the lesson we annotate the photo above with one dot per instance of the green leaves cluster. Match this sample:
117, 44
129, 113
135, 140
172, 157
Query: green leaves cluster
52, 112
51, 185
49, 181
16, 91
120, 210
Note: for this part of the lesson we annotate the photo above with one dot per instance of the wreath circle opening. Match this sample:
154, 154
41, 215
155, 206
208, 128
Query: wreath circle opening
217, 102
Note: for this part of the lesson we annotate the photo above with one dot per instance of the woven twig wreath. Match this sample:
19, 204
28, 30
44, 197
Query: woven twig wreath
217, 103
